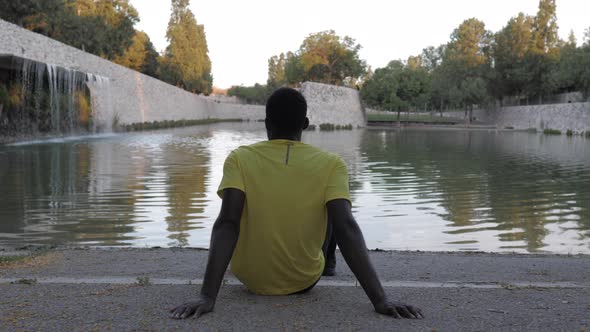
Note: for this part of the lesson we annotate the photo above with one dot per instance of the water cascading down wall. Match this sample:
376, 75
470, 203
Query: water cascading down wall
42, 98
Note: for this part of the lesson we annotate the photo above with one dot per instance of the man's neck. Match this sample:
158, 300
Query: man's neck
286, 137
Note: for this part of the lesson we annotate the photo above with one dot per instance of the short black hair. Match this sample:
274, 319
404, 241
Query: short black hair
286, 110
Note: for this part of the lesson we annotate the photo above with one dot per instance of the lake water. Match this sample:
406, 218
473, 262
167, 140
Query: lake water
435, 190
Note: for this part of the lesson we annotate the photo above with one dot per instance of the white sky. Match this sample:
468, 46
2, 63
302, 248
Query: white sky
242, 35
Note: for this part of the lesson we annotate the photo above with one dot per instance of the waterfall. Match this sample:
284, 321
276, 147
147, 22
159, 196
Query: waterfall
63, 84
102, 102
31, 79
48, 99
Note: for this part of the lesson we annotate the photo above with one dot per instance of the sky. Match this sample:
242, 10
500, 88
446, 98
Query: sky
242, 35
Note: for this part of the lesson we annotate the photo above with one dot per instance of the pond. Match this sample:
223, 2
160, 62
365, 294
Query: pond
412, 189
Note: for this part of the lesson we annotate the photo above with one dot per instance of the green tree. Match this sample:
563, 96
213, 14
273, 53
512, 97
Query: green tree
276, 71
541, 62
294, 72
257, 94
323, 57
186, 63
545, 30
101, 27
510, 47
431, 57
468, 65
140, 56
329, 58
26, 12
398, 87
470, 44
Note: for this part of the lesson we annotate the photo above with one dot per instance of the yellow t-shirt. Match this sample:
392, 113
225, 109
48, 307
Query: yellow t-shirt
283, 226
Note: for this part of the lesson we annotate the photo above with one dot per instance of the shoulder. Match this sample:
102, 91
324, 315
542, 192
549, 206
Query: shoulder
328, 157
245, 149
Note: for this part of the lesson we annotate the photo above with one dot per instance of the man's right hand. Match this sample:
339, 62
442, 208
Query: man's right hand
398, 310
198, 307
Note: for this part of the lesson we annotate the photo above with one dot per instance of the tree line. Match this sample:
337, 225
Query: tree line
323, 57
526, 60
106, 28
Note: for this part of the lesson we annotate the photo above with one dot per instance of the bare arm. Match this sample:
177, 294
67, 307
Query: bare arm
352, 245
223, 241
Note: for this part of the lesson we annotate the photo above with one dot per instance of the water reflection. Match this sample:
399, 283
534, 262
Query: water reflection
489, 191
411, 189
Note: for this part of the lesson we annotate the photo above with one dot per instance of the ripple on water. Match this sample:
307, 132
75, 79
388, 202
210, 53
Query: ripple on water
411, 189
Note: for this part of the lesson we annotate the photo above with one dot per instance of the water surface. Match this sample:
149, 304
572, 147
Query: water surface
432, 190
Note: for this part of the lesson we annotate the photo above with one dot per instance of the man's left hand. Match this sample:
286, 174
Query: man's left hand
198, 307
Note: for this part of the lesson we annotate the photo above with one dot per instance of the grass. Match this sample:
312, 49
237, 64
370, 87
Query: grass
38, 257
24, 281
410, 118
331, 126
144, 281
550, 131
139, 126
11, 260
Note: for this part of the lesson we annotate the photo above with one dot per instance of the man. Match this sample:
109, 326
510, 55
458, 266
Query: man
273, 223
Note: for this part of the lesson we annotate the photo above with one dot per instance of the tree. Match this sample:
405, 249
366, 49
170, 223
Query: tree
294, 72
101, 27
397, 87
470, 43
140, 56
25, 12
545, 30
467, 63
186, 62
323, 57
431, 57
510, 47
276, 71
328, 58
257, 94
572, 42
587, 37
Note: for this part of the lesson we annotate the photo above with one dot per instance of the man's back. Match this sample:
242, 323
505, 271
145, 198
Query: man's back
287, 184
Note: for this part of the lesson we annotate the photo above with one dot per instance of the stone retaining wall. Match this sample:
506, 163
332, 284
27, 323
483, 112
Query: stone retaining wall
571, 116
332, 104
136, 97
574, 116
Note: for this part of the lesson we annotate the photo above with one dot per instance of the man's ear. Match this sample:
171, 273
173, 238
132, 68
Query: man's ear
305, 123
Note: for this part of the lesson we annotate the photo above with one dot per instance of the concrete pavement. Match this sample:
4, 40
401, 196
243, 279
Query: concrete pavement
132, 289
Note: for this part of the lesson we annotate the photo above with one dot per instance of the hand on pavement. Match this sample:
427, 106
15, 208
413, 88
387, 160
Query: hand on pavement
398, 310
198, 307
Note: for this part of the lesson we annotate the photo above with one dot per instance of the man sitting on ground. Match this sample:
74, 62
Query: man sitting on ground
273, 223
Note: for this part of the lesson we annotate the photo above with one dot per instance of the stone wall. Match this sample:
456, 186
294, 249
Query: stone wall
132, 96
332, 104
574, 116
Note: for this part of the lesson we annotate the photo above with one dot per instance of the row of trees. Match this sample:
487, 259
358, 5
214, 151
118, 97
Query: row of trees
525, 60
323, 57
106, 28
